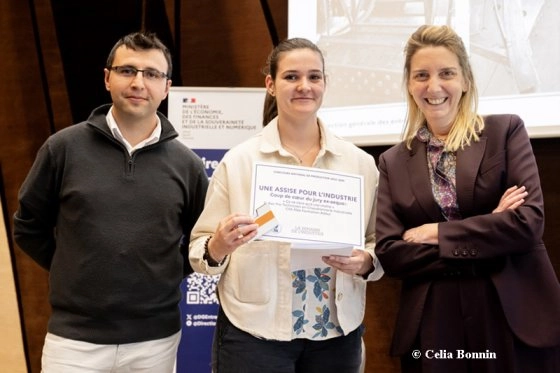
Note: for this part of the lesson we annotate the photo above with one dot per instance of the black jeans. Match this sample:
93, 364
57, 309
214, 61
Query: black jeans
235, 351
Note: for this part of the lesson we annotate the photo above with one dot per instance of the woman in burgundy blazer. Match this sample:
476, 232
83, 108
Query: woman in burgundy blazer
460, 220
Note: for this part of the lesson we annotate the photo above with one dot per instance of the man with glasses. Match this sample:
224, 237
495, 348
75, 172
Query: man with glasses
104, 209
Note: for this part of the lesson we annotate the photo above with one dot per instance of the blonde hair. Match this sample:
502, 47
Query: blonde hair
467, 125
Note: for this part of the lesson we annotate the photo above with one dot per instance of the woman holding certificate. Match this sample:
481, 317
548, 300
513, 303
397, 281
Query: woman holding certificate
460, 221
273, 318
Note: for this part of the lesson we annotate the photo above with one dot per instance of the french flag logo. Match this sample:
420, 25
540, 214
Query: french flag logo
190, 100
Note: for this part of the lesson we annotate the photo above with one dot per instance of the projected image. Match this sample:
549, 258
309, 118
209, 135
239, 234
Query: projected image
514, 47
510, 43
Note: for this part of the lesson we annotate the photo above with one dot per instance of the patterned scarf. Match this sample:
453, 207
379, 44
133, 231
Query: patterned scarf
442, 165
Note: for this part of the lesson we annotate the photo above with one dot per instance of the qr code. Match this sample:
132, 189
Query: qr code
201, 289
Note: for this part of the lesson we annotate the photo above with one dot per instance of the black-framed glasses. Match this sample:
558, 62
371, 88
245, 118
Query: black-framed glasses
131, 72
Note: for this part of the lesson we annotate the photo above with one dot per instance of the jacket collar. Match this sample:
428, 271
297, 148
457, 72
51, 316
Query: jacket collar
271, 139
98, 120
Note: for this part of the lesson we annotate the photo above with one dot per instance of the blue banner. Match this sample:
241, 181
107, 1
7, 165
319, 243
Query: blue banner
209, 121
199, 310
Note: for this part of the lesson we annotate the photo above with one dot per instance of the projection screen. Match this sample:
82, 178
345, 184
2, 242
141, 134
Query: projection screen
514, 47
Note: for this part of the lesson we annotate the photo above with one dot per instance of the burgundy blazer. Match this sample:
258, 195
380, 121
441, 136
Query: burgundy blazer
527, 285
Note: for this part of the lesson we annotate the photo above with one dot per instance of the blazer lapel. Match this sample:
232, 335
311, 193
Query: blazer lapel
468, 164
419, 176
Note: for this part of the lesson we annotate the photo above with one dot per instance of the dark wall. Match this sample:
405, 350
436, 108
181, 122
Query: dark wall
53, 54
86, 31
24, 124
